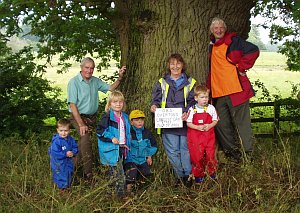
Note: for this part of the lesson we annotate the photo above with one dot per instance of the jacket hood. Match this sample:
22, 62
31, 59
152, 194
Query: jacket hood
56, 136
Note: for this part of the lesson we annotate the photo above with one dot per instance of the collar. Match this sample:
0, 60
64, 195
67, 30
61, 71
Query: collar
137, 129
180, 78
178, 82
227, 39
202, 107
59, 137
82, 79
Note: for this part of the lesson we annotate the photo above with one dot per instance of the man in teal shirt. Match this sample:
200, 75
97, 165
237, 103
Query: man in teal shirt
83, 101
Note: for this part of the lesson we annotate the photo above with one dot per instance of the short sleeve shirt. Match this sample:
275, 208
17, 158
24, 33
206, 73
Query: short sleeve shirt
210, 110
85, 94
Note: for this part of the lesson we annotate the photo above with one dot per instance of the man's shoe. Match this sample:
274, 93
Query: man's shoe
178, 183
188, 181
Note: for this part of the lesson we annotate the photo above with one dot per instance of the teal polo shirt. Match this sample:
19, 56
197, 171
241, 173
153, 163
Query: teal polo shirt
85, 94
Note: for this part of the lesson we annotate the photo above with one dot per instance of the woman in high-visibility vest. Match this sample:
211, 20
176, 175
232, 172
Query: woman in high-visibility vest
176, 90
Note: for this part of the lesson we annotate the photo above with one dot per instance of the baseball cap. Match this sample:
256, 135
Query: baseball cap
136, 114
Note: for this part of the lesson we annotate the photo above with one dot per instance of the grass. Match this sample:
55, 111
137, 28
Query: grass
269, 184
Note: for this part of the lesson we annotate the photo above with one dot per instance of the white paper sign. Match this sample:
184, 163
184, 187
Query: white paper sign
168, 118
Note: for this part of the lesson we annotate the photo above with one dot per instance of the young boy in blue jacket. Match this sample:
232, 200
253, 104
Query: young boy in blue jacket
142, 147
62, 151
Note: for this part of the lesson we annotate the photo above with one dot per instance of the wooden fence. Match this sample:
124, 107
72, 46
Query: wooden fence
277, 117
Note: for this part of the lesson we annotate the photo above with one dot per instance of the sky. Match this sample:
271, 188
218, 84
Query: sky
264, 33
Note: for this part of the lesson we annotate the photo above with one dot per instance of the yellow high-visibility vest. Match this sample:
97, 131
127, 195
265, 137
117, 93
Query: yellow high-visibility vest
165, 89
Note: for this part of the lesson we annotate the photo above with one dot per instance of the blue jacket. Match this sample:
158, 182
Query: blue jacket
107, 129
61, 165
142, 145
175, 99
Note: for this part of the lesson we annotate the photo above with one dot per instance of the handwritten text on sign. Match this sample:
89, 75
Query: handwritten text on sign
168, 118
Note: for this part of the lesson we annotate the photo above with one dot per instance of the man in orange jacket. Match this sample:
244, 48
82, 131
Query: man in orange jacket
230, 57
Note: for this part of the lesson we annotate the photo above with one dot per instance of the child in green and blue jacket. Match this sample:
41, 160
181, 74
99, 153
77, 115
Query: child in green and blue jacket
142, 147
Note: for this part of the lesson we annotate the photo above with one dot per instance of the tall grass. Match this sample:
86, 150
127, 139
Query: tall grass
270, 183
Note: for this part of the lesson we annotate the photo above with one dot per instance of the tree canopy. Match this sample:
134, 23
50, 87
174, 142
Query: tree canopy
76, 28
69, 28
286, 31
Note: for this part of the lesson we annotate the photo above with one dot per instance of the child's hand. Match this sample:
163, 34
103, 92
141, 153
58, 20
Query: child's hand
153, 108
149, 160
206, 127
201, 127
184, 116
115, 141
125, 146
70, 154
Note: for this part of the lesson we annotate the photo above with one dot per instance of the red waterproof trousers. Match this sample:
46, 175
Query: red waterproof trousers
202, 146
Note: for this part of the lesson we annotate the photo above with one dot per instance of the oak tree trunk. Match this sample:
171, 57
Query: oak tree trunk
151, 30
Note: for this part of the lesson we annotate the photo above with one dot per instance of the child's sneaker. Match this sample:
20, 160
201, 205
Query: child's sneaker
213, 177
129, 190
199, 180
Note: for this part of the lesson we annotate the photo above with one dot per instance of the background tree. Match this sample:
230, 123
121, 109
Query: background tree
288, 12
146, 32
26, 98
254, 37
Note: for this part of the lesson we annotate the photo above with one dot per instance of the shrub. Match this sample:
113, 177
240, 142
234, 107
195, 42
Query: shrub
26, 98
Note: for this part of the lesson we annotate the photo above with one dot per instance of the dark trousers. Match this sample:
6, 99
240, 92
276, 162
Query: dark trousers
133, 170
85, 153
233, 131
117, 176
117, 179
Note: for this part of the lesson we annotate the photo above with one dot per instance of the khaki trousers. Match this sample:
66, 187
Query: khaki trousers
85, 153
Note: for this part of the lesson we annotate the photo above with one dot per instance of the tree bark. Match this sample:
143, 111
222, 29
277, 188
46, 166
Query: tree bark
157, 28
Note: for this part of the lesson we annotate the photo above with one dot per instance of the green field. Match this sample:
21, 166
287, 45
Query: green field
270, 69
61, 80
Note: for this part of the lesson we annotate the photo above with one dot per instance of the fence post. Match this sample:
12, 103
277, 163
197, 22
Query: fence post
276, 120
